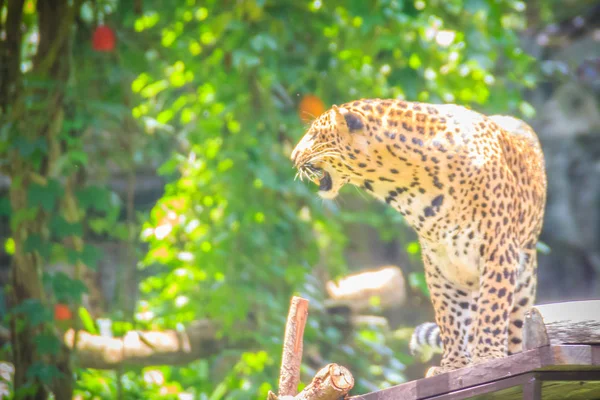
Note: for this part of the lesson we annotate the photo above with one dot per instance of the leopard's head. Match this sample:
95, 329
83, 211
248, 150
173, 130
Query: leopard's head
328, 152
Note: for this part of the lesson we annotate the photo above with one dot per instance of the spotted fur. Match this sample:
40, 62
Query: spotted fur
474, 189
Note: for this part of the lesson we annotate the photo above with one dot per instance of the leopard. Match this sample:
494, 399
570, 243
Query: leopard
473, 188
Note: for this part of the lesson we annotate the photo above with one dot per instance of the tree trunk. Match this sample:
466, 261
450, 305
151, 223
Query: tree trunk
35, 115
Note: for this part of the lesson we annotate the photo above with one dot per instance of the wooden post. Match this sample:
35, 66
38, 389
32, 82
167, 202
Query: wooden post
331, 382
532, 389
289, 377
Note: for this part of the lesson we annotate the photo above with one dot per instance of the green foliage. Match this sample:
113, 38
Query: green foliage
34, 311
66, 289
44, 196
44, 372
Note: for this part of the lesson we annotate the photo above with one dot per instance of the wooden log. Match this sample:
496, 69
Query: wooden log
332, 382
575, 322
382, 287
144, 348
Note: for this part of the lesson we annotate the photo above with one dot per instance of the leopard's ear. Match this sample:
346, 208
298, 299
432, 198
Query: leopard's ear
346, 120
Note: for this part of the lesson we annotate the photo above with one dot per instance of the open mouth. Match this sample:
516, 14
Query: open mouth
325, 183
318, 175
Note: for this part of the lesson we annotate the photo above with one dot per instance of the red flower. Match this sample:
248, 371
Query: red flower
104, 39
62, 312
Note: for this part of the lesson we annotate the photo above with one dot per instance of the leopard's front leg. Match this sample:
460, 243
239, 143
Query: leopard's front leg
452, 306
497, 284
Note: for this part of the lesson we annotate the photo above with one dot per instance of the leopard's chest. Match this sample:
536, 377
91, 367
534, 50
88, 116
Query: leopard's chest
455, 259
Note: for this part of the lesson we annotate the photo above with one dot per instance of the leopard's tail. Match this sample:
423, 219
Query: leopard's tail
426, 341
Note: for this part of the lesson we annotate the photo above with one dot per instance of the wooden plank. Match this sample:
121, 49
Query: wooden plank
506, 389
551, 385
476, 375
462, 378
494, 375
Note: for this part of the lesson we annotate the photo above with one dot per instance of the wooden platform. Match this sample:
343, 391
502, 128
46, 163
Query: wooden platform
550, 372
561, 360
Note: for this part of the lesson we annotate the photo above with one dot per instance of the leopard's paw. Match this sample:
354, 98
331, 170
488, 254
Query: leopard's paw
433, 371
491, 355
457, 364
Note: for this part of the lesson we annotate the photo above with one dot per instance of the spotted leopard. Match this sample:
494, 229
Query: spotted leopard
474, 189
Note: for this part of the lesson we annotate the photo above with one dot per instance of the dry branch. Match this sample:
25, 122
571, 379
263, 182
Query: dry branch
289, 377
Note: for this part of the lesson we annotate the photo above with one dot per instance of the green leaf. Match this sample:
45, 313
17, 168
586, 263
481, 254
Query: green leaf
61, 228
34, 311
44, 196
67, 289
27, 148
90, 255
44, 372
78, 157
36, 243
87, 321
9, 246
93, 197
413, 248
5, 207
414, 61
47, 344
